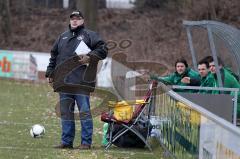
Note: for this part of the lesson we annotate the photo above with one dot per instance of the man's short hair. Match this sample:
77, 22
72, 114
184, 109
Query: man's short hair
181, 60
210, 59
204, 61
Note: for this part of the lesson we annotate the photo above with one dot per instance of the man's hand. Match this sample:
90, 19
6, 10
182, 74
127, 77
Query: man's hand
50, 80
145, 77
185, 80
84, 59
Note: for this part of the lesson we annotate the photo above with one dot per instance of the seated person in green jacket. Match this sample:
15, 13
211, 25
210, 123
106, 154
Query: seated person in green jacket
176, 78
229, 81
210, 59
207, 79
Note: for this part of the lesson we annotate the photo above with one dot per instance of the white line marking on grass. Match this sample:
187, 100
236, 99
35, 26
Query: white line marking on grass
15, 123
92, 150
18, 148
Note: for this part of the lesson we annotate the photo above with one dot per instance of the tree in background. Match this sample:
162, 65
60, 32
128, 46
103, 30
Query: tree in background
5, 19
196, 9
89, 9
140, 4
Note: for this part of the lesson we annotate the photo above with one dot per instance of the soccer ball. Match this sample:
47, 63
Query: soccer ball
37, 130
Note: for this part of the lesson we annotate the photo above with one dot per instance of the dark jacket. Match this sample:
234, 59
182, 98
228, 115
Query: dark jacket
64, 50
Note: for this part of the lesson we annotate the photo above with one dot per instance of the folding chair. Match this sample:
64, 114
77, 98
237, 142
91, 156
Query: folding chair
141, 115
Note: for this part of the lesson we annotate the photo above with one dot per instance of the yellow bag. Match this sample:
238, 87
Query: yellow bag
123, 111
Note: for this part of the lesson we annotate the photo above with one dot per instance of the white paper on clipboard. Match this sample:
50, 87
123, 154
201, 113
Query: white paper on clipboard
82, 49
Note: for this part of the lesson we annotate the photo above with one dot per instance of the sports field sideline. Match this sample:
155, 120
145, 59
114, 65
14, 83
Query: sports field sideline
25, 104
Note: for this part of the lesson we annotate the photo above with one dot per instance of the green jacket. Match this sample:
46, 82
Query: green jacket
207, 81
229, 81
232, 73
175, 79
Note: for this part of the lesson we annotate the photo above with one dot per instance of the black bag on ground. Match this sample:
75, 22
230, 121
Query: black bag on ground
129, 139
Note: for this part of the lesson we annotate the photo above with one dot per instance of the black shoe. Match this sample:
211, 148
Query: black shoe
84, 147
62, 146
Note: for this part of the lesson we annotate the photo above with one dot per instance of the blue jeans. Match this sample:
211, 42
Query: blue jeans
67, 103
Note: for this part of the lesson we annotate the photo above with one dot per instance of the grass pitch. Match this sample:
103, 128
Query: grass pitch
25, 104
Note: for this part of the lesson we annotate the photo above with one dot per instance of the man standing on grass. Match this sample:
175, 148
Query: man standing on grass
65, 48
